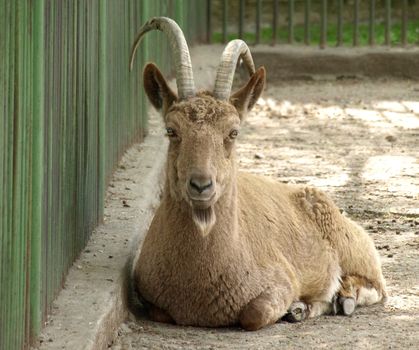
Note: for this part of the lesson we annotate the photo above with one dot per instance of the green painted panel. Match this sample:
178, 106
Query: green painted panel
69, 107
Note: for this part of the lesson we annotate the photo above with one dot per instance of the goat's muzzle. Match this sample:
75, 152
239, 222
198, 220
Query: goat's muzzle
201, 191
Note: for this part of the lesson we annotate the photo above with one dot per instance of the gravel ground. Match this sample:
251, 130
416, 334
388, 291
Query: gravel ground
359, 141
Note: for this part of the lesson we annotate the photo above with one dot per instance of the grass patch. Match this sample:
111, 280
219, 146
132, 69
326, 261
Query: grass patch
347, 34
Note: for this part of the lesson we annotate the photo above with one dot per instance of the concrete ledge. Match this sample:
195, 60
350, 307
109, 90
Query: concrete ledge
89, 309
293, 62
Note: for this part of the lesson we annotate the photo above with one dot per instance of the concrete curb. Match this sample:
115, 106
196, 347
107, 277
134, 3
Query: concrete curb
285, 62
89, 309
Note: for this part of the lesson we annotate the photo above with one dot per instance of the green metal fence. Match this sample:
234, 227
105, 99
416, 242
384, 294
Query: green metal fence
68, 109
321, 22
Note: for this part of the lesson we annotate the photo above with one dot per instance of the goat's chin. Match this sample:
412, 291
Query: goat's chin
204, 219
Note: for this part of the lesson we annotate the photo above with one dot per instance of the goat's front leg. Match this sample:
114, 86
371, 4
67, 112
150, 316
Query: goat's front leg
267, 308
297, 312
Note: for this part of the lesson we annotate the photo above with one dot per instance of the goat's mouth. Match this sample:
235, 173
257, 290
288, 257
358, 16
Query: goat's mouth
198, 203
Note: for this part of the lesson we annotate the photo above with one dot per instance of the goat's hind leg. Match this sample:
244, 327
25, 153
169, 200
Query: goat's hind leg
343, 303
354, 291
361, 290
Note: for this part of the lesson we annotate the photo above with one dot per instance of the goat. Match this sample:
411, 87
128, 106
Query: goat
225, 247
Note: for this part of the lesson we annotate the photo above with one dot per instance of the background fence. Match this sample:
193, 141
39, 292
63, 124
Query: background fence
319, 22
68, 109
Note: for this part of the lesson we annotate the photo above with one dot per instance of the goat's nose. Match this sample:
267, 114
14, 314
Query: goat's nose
199, 184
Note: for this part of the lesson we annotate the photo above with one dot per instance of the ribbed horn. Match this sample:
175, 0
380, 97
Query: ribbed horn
234, 50
184, 76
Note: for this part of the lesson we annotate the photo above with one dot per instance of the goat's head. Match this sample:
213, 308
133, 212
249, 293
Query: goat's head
201, 127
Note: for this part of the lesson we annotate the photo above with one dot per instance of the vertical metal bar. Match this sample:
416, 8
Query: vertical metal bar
37, 167
224, 21
258, 15
404, 22
144, 8
209, 21
6, 43
356, 23
388, 23
4, 188
371, 35
323, 25
241, 18
275, 22
340, 23
102, 91
8, 79
7, 289
290, 21
18, 184
307, 38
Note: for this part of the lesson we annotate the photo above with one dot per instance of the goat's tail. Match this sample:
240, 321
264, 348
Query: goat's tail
131, 297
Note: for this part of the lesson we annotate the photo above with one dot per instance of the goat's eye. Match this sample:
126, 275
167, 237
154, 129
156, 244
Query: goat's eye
171, 132
234, 134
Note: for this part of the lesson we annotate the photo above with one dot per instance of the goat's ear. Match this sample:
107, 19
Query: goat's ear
159, 93
245, 98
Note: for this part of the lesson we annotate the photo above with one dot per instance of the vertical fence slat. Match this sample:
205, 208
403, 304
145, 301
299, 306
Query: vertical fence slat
404, 22
356, 24
323, 24
371, 24
275, 22
6, 89
339, 41
37, 168
241, 18
290, 21
3, 169
307, 10
102, 82
225, 19
209, 21
258, 19
387, 22
15, 273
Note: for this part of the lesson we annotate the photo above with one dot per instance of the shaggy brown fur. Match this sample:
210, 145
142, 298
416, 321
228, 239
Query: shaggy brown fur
251, 246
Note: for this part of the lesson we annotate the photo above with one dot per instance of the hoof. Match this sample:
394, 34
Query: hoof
343, 306
347, 305
297, 312
335, 306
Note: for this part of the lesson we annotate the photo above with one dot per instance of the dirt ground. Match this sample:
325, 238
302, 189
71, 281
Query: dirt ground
359, 141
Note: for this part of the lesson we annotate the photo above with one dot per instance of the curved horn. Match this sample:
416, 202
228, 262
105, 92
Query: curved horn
234, 50
184, 76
